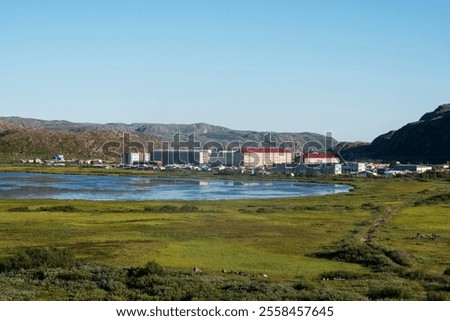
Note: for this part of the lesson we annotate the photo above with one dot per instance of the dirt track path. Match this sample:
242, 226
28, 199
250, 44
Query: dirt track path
371, 230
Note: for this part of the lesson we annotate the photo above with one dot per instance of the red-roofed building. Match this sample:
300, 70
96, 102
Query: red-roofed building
319, 158
260, 157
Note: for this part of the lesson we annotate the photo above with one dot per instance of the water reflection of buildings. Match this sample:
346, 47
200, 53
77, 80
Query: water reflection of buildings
241, 183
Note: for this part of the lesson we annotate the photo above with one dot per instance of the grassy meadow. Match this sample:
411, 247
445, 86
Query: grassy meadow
354, 246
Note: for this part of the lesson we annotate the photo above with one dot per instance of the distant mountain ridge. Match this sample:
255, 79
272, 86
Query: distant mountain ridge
424, 141
19, 142
203, 132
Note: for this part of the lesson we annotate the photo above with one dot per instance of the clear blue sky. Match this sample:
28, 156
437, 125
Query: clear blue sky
355, 68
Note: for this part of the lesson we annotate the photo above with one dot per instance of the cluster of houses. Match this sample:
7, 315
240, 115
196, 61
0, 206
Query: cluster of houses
264, 160
57, 159
60, 160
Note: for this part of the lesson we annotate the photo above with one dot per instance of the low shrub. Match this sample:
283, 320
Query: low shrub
436, 199
62, 208
75, 276
189, 208
388, 292
358, 253
413, 275
19, 209
168, 208
370, 206
399, 257
437, 296
172, 209
303, 285
444, 286
447, 271
151, 268
109, 278
34, 258
321, 294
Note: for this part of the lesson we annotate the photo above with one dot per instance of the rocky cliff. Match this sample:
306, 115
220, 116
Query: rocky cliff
424, 141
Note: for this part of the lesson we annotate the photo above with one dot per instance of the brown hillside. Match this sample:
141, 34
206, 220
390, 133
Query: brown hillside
17, 142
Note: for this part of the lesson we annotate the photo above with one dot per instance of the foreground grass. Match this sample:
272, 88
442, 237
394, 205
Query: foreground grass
251, 236
305, 246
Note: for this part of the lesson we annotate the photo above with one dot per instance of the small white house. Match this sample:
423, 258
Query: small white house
58, 158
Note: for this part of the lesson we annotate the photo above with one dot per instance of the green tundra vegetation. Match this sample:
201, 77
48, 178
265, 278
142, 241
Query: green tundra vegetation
387, 239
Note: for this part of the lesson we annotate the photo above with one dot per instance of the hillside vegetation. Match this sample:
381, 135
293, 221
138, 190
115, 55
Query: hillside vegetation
204, 133
17, 142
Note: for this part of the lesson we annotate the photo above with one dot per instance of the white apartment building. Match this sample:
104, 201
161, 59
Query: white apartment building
132, 158
260, 157
181, 156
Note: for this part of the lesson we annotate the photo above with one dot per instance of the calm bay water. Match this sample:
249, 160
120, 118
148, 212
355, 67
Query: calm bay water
92, 187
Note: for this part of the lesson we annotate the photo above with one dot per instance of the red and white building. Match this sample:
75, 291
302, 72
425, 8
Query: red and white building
319, 158
260, 157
